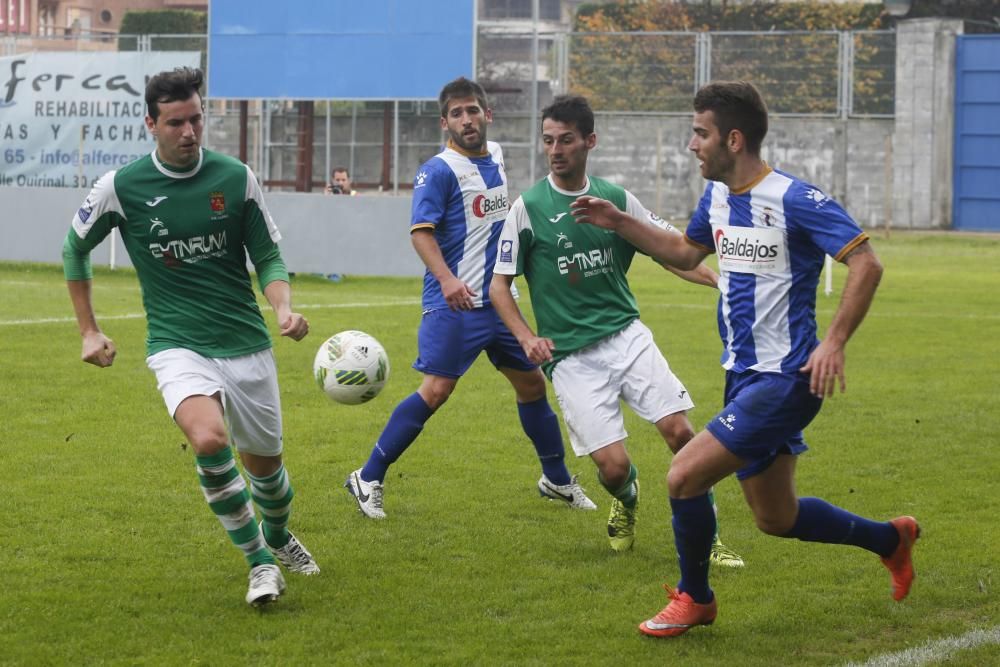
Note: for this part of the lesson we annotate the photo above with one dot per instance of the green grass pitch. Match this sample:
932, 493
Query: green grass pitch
110, 555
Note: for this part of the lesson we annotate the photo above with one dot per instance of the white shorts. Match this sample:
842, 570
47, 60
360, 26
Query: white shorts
248, 387
627, 366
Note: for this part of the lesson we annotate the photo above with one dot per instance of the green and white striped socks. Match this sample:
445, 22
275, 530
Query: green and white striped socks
627, 493
227, 496
273, 495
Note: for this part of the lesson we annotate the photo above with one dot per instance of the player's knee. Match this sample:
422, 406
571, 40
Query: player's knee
207, 440
676, 482
682, 482
436, 395
773, 524
614, 473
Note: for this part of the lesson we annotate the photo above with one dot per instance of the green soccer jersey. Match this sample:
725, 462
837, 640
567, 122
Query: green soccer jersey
576, 273
189, 235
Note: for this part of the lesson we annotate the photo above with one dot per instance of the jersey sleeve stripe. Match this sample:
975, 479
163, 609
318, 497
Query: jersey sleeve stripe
855, 242
253, 192
423, 225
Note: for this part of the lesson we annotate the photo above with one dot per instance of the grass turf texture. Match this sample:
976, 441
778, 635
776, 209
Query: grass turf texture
111, 555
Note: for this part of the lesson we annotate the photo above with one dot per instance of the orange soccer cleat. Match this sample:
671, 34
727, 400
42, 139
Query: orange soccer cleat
679, 616
900, 563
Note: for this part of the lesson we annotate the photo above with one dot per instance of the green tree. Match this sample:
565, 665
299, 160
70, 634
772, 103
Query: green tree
797, 73
165, 22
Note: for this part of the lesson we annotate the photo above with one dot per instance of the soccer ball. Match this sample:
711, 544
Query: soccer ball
351, 367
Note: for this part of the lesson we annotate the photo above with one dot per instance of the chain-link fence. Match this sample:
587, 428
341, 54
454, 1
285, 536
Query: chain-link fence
821, 73
836, 74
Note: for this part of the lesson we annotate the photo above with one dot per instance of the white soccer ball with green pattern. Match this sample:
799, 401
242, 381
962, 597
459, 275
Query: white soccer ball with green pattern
351, 367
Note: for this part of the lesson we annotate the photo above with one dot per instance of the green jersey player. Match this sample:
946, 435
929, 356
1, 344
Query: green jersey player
590, 340
189, 219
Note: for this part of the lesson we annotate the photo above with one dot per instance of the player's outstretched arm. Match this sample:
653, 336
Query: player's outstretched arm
538, 350
279, 294
826, 363
96, 348
700, 275
456, 293
665, 246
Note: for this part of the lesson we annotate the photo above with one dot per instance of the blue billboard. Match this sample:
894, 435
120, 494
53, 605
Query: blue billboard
338, 49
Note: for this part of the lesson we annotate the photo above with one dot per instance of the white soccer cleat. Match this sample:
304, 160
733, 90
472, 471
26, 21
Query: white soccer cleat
295, 557
368, 495
572, 494
266, 584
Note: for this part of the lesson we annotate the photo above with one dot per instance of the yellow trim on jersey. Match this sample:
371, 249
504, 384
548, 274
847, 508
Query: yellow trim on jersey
752, 184
458, 149
855, 242
423, 225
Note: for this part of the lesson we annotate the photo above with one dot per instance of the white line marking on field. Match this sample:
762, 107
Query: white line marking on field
825, 314
133, 316
49, 285
934, 651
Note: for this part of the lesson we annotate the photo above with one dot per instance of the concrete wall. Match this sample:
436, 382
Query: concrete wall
353, 235
924, 134
847, 159
368, 235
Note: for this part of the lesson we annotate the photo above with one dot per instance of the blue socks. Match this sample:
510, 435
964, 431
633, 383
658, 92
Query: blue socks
539, 422
402, 429
694, 528
819, 521
541, 425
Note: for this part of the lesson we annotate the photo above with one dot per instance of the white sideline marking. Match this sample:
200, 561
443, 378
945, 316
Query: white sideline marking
825, 314
133, 316
934, 651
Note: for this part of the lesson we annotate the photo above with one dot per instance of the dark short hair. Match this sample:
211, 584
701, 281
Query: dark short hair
737, 105
461, 87
343, 169
172, 86
572, 110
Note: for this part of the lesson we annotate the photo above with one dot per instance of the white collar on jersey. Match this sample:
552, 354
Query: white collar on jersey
166, 171
586, 186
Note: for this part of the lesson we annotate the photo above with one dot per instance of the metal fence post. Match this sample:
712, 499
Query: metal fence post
561, 46
702, 59
845, 61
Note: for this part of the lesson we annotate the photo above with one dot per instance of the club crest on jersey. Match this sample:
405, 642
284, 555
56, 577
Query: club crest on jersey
767, 217
217, 200
750, 249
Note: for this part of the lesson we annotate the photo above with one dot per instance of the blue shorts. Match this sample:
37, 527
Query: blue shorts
764, 417
449, 341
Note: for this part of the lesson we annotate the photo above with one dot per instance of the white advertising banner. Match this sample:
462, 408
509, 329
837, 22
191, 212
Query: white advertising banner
66, 119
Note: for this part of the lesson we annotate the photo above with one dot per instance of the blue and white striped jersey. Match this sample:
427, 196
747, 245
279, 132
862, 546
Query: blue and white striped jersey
771, 239
463, 198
